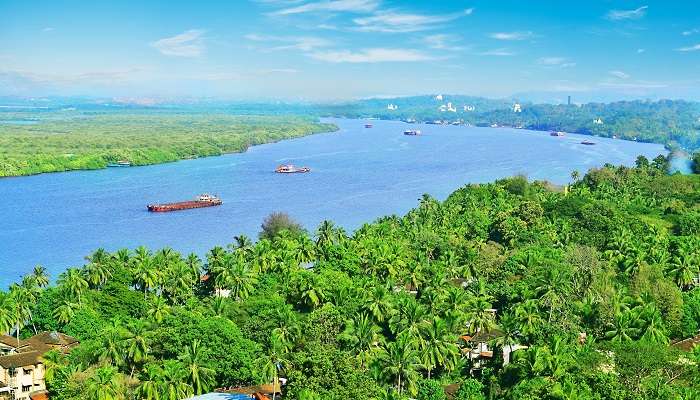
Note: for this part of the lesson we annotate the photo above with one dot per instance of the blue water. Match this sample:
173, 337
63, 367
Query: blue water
357, 175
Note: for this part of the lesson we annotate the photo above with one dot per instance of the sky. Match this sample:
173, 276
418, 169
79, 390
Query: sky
347, 49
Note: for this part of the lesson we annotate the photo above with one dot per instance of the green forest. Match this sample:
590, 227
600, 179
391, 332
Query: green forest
587, 288
675, 123
93, 140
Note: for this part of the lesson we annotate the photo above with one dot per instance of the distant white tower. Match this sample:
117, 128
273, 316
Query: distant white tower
517, 108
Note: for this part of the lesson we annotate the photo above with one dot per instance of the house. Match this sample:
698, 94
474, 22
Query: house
22, 368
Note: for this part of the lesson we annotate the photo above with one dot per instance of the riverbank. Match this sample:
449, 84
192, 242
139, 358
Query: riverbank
93, 141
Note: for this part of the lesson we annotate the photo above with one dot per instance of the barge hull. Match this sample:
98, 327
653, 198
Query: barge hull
184, 205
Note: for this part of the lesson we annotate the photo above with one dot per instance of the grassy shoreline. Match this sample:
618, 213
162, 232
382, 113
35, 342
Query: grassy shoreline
92, 142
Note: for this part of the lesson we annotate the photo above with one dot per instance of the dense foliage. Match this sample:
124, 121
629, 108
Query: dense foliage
597, 280
674, 123
70, 140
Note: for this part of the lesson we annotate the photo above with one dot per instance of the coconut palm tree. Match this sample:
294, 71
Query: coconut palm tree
624, 327
173, 383
363, 337
98, 270
241, 279
145, 273
377, 302
399, 361
137, 344
73, 282
158, 309
437, 346
65, 311
200, 377
106, 384
683, 269
272, 363
7, 312
40, 276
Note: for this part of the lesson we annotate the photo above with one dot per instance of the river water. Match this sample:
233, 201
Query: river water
358, 174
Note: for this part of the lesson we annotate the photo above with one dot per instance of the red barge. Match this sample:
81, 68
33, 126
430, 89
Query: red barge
204, 200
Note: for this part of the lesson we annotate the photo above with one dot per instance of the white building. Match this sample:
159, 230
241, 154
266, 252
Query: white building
392, 107
438, 97
517, 108
21, 365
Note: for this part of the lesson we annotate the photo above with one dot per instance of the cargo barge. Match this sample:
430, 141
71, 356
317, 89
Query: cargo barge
291, 169
204, 200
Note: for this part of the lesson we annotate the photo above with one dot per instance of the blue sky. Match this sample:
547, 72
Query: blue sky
339, 49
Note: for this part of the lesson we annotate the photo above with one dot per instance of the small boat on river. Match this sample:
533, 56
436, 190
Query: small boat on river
204, 200
291, 169
588, 143
557, 134
368, 125
412, 132
120, 163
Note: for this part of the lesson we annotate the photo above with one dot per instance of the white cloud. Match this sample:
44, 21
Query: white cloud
303, 43
443, 42
560, 62
376, 55
691, 32
47, 29
619, 74
618, 15
187, 44
633, 85
690, 48
511, 35
640, 51
396, 22
356, 6
498, 53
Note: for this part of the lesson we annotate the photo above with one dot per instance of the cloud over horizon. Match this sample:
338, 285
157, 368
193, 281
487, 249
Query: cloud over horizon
186, 44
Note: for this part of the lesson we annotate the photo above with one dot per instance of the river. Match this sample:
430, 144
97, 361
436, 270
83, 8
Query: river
358, 174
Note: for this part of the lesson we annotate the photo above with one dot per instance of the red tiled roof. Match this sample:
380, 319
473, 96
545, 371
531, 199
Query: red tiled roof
688, 344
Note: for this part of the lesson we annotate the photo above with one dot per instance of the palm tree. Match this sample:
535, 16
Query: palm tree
7, 312
509, 328
113, 350
137, 344
98, 270
145, 273
106, 384
288, 329
73, 282
399, 360
270, 365
528, 317
378, 302
363, 336
684, 268
158, 309
479, 310
40, 276
194, 266
242, 278
437, 346
623, 328
552, 287
65, 311
173, 381
408, 316
199, 376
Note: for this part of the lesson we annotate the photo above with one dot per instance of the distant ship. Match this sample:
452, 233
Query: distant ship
368, 125
120, 163
411, 132
557, 134
291, 169
588, 143
204, 200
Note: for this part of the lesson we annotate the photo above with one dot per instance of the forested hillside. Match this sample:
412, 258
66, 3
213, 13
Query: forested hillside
589, 285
